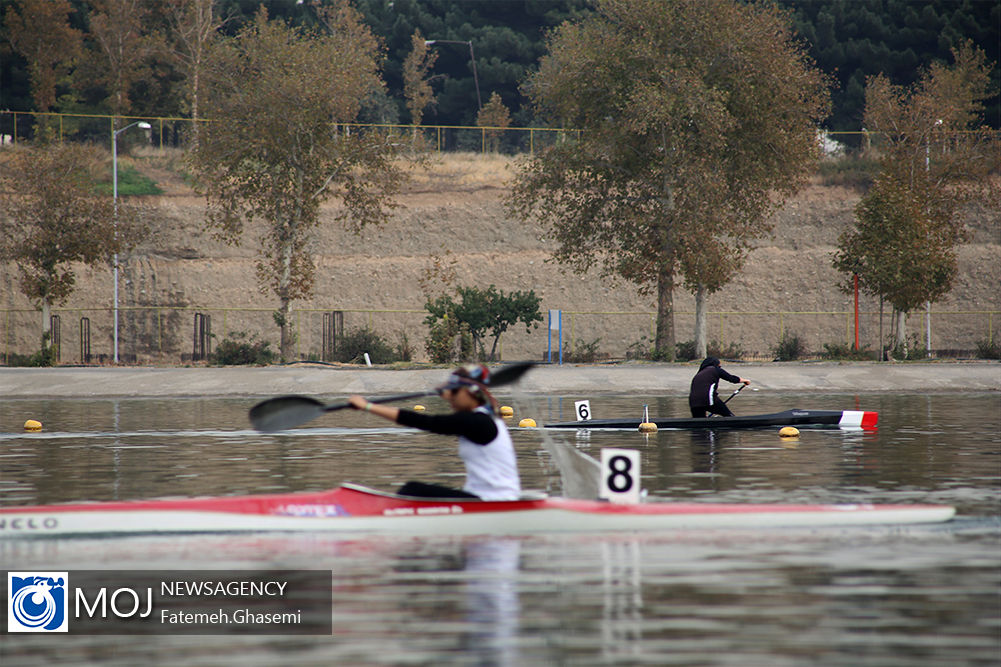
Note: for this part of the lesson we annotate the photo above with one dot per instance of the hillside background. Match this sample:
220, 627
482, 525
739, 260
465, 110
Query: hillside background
453, 209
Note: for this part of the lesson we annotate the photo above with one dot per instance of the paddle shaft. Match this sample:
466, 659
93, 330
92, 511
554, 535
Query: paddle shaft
277, 414
739, 389
383, 399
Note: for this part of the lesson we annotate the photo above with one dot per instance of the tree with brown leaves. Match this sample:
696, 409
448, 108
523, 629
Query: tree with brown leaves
697, 118
936, 157
276, 147
53, 218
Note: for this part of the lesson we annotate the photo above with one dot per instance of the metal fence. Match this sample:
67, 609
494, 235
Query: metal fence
176, 132
171, 335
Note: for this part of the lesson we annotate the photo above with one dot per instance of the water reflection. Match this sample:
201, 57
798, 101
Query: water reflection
491, 600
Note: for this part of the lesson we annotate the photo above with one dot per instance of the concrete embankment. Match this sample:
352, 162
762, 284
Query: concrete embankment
644, 378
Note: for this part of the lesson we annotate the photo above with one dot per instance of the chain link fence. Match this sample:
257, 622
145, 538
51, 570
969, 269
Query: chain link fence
172, 335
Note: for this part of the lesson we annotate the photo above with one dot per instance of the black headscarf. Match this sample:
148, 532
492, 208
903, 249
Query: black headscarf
709, 361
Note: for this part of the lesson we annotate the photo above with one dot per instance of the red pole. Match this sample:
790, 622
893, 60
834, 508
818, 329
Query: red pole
856, 312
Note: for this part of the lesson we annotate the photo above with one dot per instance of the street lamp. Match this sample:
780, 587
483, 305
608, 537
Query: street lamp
472, 59
114, 188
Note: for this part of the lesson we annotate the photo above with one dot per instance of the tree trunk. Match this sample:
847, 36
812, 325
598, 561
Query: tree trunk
901, 333
284, 318
664, 343
46, 325
286, 347
701, 344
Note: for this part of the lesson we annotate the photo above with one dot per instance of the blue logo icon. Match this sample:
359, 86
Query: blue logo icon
36, 601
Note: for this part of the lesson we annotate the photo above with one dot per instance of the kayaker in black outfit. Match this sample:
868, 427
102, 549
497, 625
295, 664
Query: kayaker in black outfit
703, 397
484, 442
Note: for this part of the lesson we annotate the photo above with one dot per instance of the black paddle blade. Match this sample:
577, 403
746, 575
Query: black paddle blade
278, 414
509, 374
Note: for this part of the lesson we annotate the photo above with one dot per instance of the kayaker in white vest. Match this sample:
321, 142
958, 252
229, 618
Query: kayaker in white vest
484, 442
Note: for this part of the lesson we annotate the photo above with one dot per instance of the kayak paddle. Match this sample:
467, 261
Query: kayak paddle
739, 389
278, 414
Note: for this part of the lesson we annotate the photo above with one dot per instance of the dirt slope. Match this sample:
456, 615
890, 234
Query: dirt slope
455, 210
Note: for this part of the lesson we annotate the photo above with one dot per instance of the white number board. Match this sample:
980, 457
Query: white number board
620, 475
583, 410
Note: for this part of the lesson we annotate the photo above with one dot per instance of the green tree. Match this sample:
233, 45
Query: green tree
54, 218
275, 150
697, 118
936, 158
484, 312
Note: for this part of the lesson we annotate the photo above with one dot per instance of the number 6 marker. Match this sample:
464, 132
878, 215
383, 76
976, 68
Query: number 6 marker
583, 410
620, 475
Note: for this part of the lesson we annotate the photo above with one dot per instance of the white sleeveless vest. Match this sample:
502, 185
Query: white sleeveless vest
491, 469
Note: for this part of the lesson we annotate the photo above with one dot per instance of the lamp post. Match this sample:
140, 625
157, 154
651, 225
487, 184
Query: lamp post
472, 59
114, 189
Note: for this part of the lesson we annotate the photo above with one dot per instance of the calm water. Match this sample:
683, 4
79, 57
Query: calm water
875, 596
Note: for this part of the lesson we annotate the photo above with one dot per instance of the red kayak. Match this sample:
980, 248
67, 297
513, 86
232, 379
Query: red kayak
357, 509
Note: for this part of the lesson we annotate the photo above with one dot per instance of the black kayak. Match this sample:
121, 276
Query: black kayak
851, 419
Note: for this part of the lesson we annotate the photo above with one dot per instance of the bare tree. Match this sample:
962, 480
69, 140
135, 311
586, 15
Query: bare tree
193, 25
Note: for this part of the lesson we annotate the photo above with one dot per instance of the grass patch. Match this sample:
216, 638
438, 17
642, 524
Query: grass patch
130, 182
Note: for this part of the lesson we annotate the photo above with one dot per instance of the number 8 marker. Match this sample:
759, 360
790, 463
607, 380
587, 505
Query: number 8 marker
620, 475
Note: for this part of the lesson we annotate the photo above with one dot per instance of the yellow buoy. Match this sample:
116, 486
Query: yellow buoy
647, 426
419, 408
32, 425
527, 422
506, 411
789, 432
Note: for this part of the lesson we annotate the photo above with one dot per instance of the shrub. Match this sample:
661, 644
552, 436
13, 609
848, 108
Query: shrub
847, 352
790, 348
240, 352
685, 351
639, 350
731, 351
353, 345
913, 350
988, 350
449, 340
582, 353
404, 350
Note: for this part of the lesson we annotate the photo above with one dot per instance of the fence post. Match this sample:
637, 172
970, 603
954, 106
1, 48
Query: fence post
55, 333
85, 340
203, 335
333, 325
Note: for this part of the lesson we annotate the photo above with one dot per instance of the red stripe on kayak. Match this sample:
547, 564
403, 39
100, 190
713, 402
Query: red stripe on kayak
869, 419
